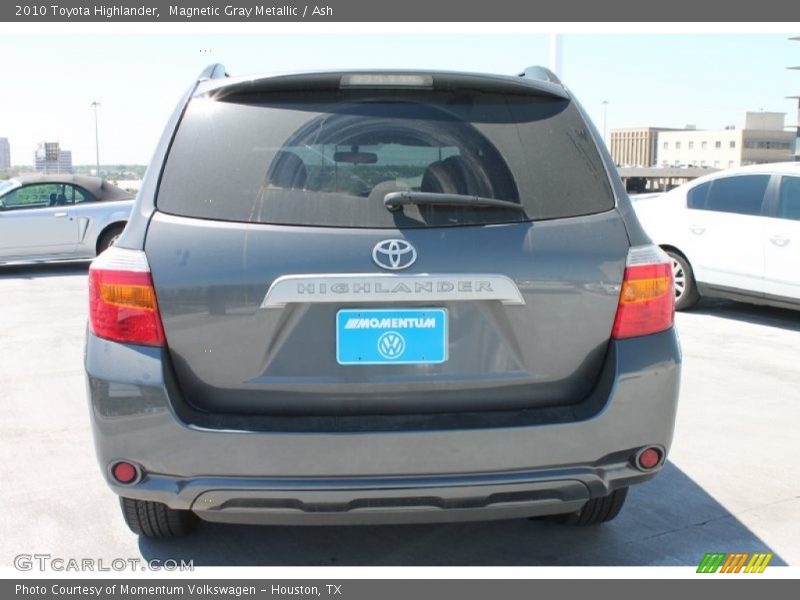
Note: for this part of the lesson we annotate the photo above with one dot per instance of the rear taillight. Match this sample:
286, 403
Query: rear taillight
647, 298
122, 300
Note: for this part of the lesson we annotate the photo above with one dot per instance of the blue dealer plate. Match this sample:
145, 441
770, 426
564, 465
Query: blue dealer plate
387, 336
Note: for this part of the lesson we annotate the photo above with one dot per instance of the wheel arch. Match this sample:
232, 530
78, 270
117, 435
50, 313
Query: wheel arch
691, 295
119, 223
676, 250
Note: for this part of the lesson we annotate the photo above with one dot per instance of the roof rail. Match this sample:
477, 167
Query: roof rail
540, 73
215, 71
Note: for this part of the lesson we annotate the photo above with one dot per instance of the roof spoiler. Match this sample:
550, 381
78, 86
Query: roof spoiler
218, 71
215, 71
540, 73
539, 78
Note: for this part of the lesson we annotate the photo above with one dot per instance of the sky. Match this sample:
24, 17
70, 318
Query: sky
669, 80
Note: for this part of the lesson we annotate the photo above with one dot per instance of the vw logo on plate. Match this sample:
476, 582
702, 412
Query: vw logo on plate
391, 345
394, 254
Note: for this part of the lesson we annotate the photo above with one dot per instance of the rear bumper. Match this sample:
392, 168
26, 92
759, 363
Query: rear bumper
387, 476
372, 500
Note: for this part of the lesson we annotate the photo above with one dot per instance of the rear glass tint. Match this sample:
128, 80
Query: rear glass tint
742, 194
696, 198
330, 158
789, 198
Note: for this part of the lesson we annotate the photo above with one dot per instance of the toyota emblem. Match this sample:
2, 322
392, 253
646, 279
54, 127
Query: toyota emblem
394, 254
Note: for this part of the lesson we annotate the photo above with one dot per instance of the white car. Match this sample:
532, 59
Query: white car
731, 234
59, 217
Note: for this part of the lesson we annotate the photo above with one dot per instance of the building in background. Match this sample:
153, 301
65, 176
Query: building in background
797, 128
762, 140
635, 146
5, 156
50, 158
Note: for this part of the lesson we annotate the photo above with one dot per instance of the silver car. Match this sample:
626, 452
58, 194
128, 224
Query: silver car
59, 217
382, 297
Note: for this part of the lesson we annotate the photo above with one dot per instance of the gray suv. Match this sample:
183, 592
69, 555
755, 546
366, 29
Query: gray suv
380, 297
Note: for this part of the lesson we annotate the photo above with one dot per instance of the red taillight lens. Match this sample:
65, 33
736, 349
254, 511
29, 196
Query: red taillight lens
122, 300
647, 298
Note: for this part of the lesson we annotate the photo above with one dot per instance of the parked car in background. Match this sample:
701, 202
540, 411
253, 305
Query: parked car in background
382, 297
731, 234
59, 217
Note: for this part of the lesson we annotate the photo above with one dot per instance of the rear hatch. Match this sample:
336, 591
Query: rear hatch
288, 287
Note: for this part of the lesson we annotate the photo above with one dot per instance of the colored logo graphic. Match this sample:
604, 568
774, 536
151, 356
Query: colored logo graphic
391, 345
736, 562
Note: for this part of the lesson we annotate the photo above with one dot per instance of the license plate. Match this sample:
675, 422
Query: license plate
387, 336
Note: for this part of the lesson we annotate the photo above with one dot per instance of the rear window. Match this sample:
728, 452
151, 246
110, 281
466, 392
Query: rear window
696, 198
742, 194
789, 198
330, 158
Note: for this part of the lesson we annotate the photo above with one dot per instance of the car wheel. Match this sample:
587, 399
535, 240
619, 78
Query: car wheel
596, 510
686, 294
109, 238
156, 520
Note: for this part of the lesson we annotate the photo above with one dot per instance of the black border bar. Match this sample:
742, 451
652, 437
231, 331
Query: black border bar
254, 11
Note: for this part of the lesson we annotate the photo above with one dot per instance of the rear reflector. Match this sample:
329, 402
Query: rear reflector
649, 458
122, 300
124, 472
647, 298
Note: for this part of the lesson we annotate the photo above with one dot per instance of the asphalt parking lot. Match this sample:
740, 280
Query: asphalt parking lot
732, 483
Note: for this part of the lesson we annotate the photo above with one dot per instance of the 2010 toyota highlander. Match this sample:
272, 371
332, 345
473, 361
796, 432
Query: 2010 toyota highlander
380, 297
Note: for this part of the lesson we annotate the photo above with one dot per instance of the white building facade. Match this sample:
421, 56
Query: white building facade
762, 140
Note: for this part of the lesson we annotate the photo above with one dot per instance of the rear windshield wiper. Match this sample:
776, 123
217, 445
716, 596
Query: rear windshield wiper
395, 200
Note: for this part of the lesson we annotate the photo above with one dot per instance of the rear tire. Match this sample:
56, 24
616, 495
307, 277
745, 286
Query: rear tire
156, 520
108, 238
596, 510
686, 294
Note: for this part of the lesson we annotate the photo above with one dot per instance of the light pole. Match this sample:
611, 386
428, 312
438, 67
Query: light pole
797, 123
94, 105
555, 54
605, 121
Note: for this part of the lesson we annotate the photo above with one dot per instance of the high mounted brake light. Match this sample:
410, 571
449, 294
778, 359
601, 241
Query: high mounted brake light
647, 299
379, 80
122, 299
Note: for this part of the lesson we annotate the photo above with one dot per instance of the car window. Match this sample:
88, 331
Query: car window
742, 194
329, 159
7, 185
789, 198
43, 195
39, 195
696, 198
81, 195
